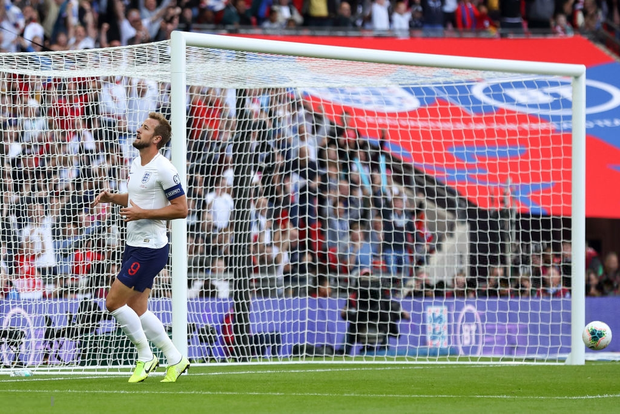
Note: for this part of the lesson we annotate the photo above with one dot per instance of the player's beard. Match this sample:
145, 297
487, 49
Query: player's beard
138, 144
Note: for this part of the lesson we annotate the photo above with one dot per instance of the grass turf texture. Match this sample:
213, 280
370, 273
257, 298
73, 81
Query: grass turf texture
326, 388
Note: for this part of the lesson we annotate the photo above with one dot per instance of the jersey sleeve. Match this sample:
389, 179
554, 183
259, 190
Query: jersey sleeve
170, 182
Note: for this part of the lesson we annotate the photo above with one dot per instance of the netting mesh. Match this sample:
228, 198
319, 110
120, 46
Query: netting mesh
338, 208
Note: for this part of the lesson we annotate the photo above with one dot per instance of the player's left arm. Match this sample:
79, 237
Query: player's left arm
175, 210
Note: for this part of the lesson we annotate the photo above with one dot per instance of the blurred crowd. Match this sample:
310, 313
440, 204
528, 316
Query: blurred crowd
34, 25
325, 201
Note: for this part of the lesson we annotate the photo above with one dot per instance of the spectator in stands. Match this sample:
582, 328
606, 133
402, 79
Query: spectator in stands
552, 285
401, 18
449, 14
460, 287
12, 23
425, 240
561, 26
273, 21
609, 282
467, 15
237, 14
433, 17
565, 263
306, 184
379, 15
523, 287
319, 13
593, 262
281, 253
399, 233
61, 43
511, 20
27, 280
328, 190
153, 14
33, 26
344, 19
592, 16
142, 100
261, 221
133, 29
85, 256
536, 266
220, 204
419, 286
113, 106
539, 13
81, 40
34, 125
484, 22
217, 283
6, 285
65, 21
352, 199
338, 225
68, 236
376, 235
323, 288
611, 12
287, 11
196, 254
592, 284
169, 23
417, 14
359, 254
497, 285
37, 236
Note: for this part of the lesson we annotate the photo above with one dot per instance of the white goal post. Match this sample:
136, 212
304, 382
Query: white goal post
345, 204
181, 40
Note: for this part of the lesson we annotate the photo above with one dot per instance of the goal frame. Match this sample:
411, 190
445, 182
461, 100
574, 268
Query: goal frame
181, 40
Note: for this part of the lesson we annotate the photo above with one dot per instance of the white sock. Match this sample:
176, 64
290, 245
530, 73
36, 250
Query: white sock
129, 321
154, 330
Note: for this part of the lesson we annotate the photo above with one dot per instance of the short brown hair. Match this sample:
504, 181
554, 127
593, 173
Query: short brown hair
163, 129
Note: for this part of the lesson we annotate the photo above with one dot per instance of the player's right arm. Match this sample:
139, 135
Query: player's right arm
122, 199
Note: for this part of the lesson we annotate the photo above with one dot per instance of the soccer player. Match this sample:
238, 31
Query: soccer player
154, 195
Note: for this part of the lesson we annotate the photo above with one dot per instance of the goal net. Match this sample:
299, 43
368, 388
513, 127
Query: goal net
340, 210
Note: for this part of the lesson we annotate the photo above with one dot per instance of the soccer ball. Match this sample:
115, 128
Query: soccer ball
596, 335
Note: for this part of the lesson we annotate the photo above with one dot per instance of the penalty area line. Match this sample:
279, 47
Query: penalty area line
310, 394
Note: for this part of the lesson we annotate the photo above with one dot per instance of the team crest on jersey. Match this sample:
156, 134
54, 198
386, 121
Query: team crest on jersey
146, 177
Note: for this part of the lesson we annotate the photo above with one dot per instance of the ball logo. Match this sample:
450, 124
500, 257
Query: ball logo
545, 96
390, 99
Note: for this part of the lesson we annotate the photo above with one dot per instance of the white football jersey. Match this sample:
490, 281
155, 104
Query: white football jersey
151, 187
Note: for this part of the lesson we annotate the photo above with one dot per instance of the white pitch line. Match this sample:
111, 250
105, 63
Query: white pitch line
302, 371
259, 372
294, 394
255, 372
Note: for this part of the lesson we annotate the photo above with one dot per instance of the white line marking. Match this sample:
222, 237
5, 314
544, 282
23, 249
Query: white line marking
309, 394
255, 372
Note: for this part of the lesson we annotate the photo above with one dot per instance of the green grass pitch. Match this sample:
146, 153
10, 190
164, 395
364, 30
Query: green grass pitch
327, 388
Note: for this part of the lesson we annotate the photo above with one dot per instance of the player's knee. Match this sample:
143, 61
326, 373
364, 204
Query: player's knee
111, 304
